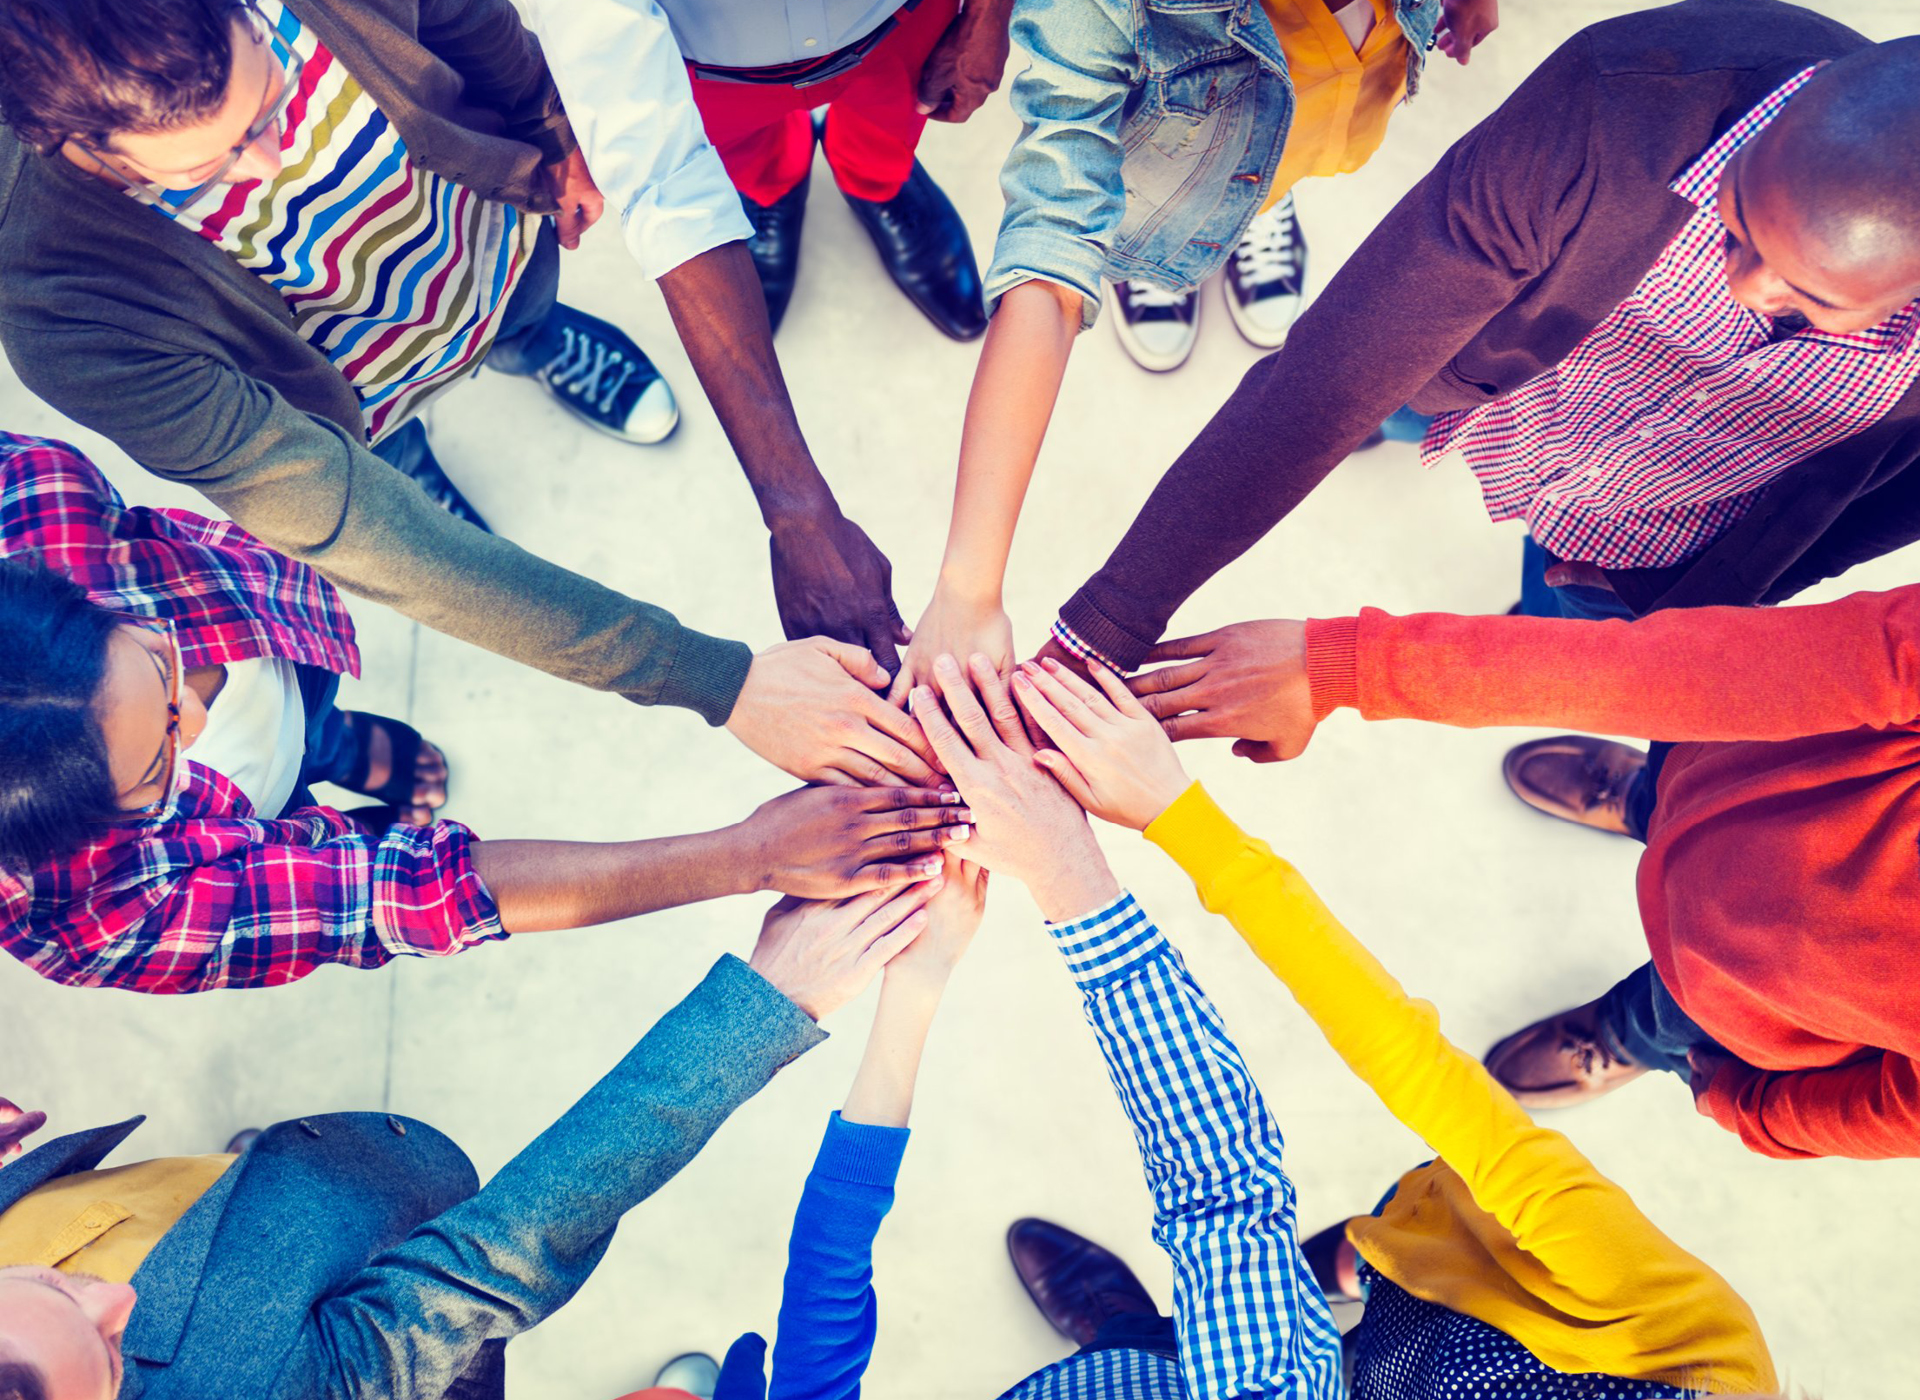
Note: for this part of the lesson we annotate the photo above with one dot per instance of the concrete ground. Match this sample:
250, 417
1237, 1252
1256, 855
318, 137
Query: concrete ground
1490, 911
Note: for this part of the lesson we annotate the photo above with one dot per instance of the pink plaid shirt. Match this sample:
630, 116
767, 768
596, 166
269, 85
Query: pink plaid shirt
1665, 423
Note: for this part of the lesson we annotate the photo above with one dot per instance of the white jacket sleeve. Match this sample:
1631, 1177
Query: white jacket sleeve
624, 84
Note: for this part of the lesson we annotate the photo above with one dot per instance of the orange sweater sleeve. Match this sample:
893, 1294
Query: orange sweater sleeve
1696, 674
1867, 1109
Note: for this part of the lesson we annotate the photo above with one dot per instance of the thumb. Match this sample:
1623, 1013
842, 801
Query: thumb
743, 1375
857, 661
1256, 750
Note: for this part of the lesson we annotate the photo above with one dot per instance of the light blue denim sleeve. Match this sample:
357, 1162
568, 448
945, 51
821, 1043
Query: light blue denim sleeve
1062, 179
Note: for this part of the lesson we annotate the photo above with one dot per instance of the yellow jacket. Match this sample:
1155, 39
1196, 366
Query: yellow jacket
1512, 1225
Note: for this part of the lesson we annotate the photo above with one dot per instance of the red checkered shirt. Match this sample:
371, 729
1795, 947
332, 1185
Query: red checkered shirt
213, 896
1665, 423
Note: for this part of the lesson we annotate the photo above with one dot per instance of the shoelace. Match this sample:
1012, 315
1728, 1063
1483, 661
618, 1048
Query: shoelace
1270, 251
1607, 787
1587, 1052
1151, 296
582, 363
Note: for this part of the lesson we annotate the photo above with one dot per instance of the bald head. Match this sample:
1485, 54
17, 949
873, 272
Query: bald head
1828, 196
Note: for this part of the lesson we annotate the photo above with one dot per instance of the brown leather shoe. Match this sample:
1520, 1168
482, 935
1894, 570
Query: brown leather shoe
1561, 1061
1576, 778
1075, 1283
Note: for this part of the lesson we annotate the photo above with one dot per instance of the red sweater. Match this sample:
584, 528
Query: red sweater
1781, 884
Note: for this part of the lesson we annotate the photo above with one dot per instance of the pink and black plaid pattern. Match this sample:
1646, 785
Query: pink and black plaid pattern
1660, 429
229, 597
214, 897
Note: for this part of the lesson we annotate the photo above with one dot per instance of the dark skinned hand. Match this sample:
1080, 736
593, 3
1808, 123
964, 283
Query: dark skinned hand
835, 842
578, 197
830, 580
16, 1126
967, 62
1247, 682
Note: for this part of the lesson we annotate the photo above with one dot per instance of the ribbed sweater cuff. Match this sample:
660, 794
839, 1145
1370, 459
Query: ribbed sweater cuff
706, 676
1333, 664
1196, 833
866, 1154
1123, 651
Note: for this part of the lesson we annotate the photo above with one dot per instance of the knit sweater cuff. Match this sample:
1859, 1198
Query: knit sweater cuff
865, 1154
1196, 833
1333, 664
707, 676
1122, 650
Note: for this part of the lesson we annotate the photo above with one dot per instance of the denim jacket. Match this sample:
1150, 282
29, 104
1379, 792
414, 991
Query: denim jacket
1151, 133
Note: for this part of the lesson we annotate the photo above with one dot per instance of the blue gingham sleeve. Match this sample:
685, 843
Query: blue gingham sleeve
1250, 1319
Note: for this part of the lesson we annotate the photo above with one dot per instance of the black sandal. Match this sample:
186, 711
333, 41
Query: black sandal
405, 741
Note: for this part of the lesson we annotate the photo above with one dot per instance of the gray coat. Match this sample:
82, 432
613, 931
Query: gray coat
356, 1254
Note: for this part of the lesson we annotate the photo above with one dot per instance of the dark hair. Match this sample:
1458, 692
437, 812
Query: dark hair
55, 785
19, 1381
89, 68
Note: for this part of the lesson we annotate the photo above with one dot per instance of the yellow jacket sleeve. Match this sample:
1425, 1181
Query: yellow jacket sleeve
1531, 1238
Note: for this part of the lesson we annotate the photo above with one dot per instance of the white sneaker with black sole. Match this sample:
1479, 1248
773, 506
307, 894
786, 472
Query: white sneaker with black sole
1157, 327
1265, 281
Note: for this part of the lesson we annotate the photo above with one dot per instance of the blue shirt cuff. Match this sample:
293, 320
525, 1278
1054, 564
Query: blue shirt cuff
865, 1154
1109, 944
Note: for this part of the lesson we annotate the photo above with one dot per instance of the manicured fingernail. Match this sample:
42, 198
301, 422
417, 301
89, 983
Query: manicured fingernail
1020, 679
936, 879
950, 797
979, 658
959, 833
914, 695
1051, 664
947, 664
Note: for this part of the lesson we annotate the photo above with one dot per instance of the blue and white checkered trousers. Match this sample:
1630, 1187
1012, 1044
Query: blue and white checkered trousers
1251, 1321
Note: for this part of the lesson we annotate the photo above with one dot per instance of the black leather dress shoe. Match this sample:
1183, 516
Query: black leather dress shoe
775, 246
920, 238
1075, 1283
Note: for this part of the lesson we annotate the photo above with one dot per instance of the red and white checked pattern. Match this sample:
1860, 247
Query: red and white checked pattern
1664, 424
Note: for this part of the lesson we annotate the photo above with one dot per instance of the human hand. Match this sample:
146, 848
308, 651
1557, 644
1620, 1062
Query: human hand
1247, 682
16, 1126
952, 626
1463, 24
810, 708
967, 62
831, 842
1108, 752
1025, 824
579, 198
953, 917
821, 954
830, 580
1703, 1066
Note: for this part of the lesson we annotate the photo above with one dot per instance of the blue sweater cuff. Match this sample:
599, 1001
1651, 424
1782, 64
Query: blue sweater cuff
864, 1154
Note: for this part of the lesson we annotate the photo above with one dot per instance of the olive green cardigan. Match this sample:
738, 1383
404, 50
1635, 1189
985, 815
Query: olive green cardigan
148, 333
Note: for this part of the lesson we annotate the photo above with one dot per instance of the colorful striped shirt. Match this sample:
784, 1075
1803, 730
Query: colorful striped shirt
1250, 1319
1663, 426
396, 275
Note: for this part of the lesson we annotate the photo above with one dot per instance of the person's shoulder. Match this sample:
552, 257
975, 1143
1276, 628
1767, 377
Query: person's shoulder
1714, 36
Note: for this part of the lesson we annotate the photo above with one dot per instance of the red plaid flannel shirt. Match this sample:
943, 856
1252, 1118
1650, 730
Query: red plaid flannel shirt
215, 897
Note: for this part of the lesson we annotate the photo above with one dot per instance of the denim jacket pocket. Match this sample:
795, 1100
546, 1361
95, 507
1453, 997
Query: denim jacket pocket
1174, 142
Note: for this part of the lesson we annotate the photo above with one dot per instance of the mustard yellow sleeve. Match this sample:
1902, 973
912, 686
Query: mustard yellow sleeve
1589, 1239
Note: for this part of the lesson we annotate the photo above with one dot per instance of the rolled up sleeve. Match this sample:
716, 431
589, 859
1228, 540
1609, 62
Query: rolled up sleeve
624, 83
1062, 182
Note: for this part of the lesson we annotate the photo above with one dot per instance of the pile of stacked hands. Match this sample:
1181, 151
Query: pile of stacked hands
1664, 302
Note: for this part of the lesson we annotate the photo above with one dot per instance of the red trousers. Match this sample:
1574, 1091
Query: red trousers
765, 135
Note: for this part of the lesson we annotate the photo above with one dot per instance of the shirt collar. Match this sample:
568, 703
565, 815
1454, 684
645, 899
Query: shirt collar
1700, 182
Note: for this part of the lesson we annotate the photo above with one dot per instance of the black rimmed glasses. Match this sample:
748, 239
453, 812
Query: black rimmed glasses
166, 762
283, 81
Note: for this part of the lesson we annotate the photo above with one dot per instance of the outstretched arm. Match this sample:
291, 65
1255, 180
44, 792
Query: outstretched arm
828, 1308
1014, 391
1682, 674
1250, 1318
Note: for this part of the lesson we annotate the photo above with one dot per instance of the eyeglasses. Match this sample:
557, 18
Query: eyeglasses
273, 106
167, 760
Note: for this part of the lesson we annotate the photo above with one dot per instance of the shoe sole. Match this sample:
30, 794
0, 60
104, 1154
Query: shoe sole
615, 433
1256, 336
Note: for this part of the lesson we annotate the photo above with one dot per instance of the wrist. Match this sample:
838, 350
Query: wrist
801, 500
1075, 886
745, 858
974, 589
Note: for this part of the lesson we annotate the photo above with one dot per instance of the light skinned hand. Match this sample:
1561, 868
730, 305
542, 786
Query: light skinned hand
953, 917
1247, 682
1463, 24
951, 626
1024, 823
832, 842
812, 707
821, 954
17, 1124
1107, 750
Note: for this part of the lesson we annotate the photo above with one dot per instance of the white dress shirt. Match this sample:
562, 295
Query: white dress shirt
624, 82
769, 33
